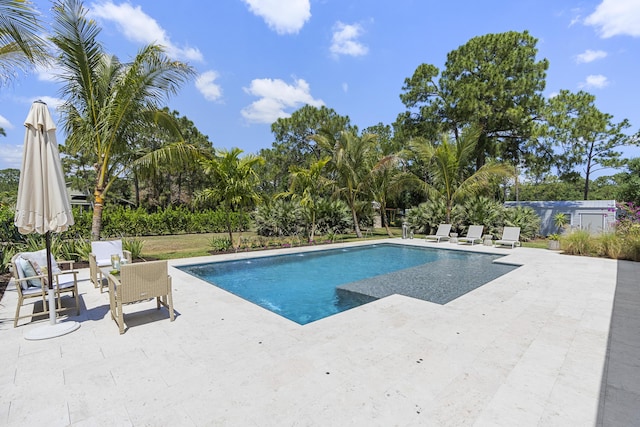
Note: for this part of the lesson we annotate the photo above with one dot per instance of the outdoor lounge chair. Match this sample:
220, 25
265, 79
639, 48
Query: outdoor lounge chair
510, 237
140, 282
441, 234
30, 281
100, 256
474, 234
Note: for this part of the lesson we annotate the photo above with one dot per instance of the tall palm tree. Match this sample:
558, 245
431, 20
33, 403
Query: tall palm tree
450, 175
352, 161
236, 183
107, 101
21, 47
308, 185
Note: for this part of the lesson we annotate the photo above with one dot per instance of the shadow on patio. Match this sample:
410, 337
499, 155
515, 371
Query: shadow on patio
619, 403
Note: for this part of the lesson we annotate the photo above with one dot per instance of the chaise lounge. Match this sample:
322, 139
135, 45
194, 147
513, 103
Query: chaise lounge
510, 237
441, 234
474, 234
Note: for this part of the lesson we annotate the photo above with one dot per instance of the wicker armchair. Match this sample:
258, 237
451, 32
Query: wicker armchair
100, 256
140, 282
31, 284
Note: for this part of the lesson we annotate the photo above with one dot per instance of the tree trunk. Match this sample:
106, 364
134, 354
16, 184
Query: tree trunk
586, 183
313, 226
96, 223
588, 172
136, 186
229, 229
383, 215
356, 226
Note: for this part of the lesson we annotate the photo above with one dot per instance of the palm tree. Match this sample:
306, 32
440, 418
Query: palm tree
308, 186
107, 101
383, 183
236, 183
20, 45
352, 161
450, 176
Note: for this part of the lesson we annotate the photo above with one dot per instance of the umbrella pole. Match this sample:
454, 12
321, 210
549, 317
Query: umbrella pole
51, 294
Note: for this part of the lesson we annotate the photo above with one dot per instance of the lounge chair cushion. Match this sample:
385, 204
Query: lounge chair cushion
41, 258
104, 249
26, 269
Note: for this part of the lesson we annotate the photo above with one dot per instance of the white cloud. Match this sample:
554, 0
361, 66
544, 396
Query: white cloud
597, 81
345, 87
616, 17
575, 20
207, 86
11, 156
276, 96
5, 124
48, 74
590, 56
283, 16
344, 40
139, 27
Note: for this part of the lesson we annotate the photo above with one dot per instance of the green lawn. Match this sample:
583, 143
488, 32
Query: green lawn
193, 245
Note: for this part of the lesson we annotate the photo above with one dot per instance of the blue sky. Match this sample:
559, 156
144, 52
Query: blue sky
258, 60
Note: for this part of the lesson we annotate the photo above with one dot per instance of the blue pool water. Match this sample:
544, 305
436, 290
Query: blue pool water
309, 286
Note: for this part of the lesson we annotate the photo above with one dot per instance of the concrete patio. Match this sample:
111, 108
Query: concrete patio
553, 343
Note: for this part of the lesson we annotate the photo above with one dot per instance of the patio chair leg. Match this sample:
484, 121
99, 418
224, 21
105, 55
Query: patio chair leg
15, 321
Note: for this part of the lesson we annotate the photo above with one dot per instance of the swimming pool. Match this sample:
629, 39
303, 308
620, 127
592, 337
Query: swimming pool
308, 286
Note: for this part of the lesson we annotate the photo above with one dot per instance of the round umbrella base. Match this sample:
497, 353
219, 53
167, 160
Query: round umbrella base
51, 331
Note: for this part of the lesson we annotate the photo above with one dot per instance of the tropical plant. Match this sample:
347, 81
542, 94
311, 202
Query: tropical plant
307, 186
352, 160
384, 184
449, 174
220, 244
236, 183
133, 245
560, 220
279, 218
481, 210
334, 217
426, 217
107, 101
21, 46
525, 218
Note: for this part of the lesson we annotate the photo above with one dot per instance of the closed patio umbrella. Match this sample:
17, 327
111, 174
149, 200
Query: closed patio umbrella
43, 204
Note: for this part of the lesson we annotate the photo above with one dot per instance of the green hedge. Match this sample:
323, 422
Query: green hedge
118, 221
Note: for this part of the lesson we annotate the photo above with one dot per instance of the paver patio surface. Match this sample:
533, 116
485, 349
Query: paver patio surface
528, 349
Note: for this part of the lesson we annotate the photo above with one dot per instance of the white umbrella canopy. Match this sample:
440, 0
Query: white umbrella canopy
43, 202
43, 205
